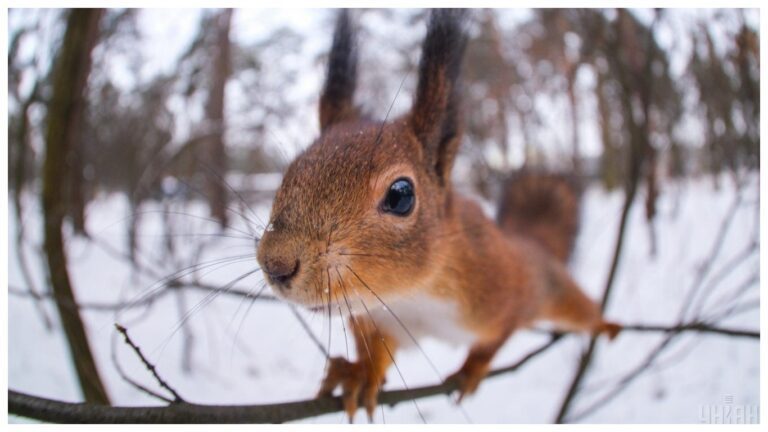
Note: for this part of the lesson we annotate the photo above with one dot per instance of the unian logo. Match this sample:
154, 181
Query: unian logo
729, 413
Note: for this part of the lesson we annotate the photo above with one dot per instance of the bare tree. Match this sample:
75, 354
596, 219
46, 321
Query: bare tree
553, 42
21, 155
215, 149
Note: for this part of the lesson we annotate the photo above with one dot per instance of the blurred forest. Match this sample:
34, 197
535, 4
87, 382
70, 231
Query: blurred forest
611, 70
621, 99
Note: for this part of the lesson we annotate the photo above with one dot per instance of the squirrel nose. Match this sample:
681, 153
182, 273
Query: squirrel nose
281, 270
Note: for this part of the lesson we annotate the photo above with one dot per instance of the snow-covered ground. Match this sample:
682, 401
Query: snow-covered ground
239, 352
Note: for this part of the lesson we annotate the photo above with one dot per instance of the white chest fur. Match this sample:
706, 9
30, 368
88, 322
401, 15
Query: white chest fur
419, 316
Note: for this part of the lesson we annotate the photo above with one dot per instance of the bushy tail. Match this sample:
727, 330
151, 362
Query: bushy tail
542, 207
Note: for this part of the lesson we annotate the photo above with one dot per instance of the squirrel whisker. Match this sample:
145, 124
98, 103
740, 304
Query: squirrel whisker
400, 323
202, 304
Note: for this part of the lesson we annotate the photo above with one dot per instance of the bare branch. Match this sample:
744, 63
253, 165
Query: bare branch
627, 70
624, 382
696, 327
143, 301
65, 412
142, 388
150, 367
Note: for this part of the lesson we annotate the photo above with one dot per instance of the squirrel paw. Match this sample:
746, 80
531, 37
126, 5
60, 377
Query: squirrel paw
355, 382
467, 380
610, 329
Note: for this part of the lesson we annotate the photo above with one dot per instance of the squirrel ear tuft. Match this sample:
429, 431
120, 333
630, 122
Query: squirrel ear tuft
435, 115
336, 104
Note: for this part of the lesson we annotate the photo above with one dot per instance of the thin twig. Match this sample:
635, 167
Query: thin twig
111, 307
133, 382
26, 273
623, 382
177, 398
694, 326
672, 331
706, 265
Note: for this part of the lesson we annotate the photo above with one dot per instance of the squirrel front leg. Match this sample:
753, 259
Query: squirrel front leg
361, 379
477, 364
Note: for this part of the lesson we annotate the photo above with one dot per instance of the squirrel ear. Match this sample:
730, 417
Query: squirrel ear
435, 115
336, 103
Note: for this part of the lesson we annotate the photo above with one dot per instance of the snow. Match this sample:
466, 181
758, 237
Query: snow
250, 353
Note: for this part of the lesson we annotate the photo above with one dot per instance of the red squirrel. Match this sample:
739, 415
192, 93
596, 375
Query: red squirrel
367, 221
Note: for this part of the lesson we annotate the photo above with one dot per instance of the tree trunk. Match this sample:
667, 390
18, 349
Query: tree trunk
76, 188
64, 117
610, 170
214, 111
21, 161
75, 155
573, 101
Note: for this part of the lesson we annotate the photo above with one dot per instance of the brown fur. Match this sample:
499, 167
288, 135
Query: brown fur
351, 255
543, 207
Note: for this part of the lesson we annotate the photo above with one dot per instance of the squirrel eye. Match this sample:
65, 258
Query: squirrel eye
400, 198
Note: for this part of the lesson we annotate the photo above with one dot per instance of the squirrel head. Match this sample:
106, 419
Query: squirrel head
359, 213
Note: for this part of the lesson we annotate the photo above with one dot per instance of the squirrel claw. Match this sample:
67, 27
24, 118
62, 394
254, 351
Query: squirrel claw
608, 328
466, 382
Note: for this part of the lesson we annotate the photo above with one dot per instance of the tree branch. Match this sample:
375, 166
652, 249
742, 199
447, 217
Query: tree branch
696, 327
50, 410
144, 300
150, 367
